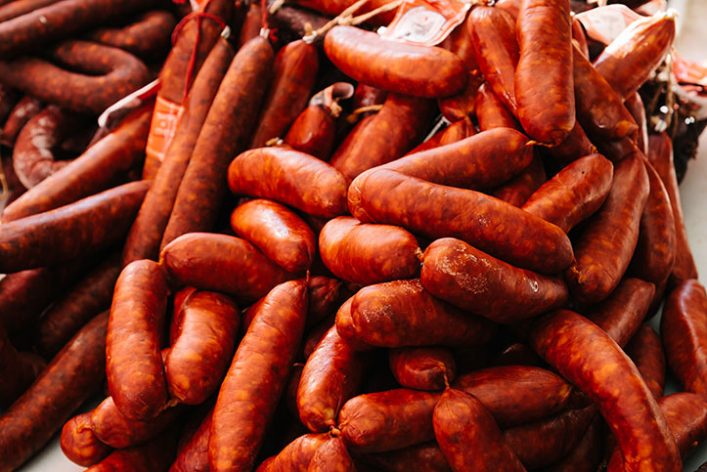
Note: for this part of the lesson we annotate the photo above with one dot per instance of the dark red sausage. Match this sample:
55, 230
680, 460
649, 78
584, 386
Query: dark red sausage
544, 72
95, 170
204, 344
331, 375
290, 177
367, 254
574, 193
436, 211
208, 261
157, 454
193, 455
80, 444
425, 457
8, 100
226, 129
646, 351
587, 454
469, 436
575, 145
257, 377
324, 298
73, 230
604, 249
17, 369
422, 368
683, 328
592, 361
277, 231
22, 111
402, 313
147, 36
15, 8
74, 375
134, 368
295, 71
332, 456
395, 66
478, 283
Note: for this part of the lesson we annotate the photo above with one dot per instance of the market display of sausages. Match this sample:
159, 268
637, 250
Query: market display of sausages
383, 235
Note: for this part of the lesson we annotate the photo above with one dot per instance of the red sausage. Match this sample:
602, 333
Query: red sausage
456, 131
134, 368
193, 455
96, 169
367, 254
8, 100
226, 129
290, 177
257, 377
604, 249
425, 457
80, 444
544, 72
491, 112
587, 454
574, 193
295, 71
296, 456
18, 370
199, 355
478, 283
402, 313
15, 8
634, 104
395, 66
277, 231
436, 211
588, 358
324, 298
684, 331
646, 351
517, 190
22, 111
332, 456
461, 106
469, 436
575, 145
157, 454
208, 261
79, 228
147, 36
346, 329
422, 368
73, 376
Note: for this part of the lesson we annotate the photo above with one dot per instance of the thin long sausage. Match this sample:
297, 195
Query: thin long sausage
146, 36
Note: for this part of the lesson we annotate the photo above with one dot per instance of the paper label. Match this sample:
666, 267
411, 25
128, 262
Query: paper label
162, 128
604, 24
426, 23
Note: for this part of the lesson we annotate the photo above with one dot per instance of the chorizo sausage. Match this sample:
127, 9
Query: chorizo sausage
461, 106
660, 156
480, 284
96, 169
18, 370
74, 374
422, 368
205, 340
646, 351
147, 36
324, 298
107, 74
573, 194
290, 177
15, 9
331, 375
227, 126
134, 368
345, 327
22, 111
395, 129
575, 145
631, 58
544, 71
468, 435
367, 254
425, 457
622, 313
257, 377
604, 249
491, 112
456, 131
157, 454
585, 355
296, 456
8, 100
73, 230
587, 454
295, 71
146, 232
332, 456
403, 313
520, 188
684, 331
436, 211
405, 68
208, 261
80, 444
91, 295
193, 455
634, 105
277, 231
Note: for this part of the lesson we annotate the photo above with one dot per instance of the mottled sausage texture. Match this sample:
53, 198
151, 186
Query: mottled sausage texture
463, 128
395, 66
367, 254
212, 261
277, 231
604, 249
469, 436
296, 456
646, 351
134, 368
403, 313
257, 377
425, 457
205, 340
585, 355
684, 332
517, 190
573, 194
543, 79
77, 229
73, 376
290, 177
79, 443
332, 456
481, 284
422, 368
491, 112
437, 211
147, 35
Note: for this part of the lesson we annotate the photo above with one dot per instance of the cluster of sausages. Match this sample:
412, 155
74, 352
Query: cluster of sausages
402, 257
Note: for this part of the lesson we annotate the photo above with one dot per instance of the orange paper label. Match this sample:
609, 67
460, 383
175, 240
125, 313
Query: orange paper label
163, 126
426, 22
